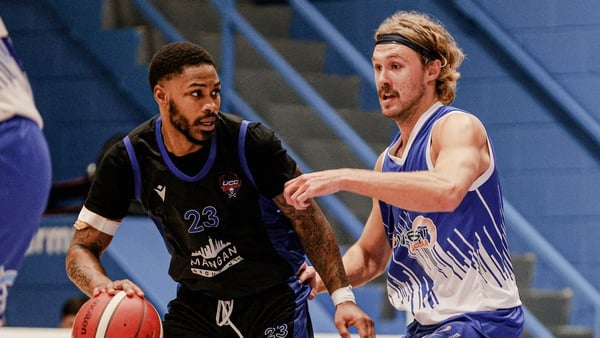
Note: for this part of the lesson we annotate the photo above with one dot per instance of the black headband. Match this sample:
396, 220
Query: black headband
399, 39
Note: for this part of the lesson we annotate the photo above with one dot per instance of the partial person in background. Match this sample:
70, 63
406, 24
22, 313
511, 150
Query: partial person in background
25, 168
69, 310
437, 201
212, 182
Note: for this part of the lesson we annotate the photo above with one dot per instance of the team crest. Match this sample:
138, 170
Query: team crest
230, 184
423, 234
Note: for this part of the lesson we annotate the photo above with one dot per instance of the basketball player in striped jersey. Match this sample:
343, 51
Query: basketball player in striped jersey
25, 167
212, 183
437, 214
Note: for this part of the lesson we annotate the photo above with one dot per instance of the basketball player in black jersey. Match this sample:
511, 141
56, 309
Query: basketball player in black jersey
213, 182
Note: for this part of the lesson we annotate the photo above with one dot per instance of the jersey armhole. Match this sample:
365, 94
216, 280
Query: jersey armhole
242, 151
137, 179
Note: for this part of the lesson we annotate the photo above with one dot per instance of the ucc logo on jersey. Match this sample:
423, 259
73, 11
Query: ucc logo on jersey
230, 184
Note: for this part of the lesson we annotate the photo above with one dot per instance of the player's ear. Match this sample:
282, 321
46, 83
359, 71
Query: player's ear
159, 95
434, 68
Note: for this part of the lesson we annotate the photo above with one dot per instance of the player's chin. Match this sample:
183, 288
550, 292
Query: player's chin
203, 135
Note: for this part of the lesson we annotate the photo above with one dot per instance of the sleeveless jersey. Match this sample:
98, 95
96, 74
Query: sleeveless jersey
447, 263
225, 235
16, 97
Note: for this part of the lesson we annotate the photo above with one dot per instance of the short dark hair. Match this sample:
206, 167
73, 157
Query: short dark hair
172, 58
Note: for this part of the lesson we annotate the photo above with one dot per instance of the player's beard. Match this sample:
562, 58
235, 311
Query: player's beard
184, 126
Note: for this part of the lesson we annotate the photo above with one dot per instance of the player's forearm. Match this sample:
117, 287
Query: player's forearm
424, 191
318, 241
84, 269
326, 259
359, 269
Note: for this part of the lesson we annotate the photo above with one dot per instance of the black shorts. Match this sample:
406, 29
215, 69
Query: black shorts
279, 312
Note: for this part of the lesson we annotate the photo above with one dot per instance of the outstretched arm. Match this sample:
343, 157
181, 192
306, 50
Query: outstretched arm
459, 154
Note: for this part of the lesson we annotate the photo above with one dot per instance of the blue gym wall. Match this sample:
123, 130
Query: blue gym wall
550, 174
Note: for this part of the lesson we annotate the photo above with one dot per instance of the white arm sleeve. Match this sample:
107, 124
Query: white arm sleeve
107, 226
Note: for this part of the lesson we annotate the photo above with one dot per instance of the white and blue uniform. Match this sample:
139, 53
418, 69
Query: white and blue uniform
25, 168
448, 264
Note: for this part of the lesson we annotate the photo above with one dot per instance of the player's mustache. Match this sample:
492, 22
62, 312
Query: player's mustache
199, 120
386, 90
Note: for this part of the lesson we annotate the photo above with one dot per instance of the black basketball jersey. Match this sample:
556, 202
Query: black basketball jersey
225, 235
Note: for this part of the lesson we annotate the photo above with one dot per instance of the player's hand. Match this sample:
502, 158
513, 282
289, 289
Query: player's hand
308, 275
113, 287
299, 190
349, 314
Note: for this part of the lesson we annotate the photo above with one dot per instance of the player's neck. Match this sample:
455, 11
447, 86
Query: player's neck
177, 144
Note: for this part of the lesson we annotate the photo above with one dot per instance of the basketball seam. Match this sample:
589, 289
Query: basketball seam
107, 314
141, 323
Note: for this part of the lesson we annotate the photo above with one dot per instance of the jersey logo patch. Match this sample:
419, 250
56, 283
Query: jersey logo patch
161, 190
214, 258
230, 184
423, 234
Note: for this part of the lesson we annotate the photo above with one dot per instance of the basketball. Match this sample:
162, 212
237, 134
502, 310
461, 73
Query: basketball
118, 316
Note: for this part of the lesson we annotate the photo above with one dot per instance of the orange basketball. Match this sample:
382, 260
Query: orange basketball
117, 316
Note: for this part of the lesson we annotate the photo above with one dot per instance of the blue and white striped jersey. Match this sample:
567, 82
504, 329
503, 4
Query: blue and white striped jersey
447, 263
